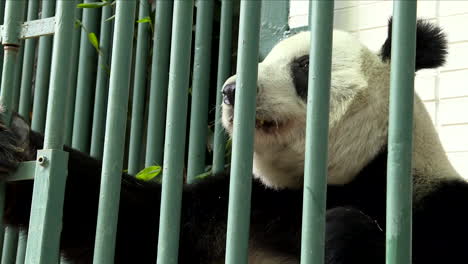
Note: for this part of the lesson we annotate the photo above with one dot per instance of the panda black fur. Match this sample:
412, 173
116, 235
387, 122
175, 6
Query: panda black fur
356, 191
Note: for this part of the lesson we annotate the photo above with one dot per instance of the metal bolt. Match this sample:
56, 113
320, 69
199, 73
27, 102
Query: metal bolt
42, 160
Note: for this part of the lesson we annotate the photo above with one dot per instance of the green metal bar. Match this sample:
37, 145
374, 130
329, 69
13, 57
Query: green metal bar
10, 245
171, 196
224, 71
21, 251
115, 133
159, 82
45, 223
18, 70
75, 49
51, 170
12, 26
17, 82
243, 133
316, 147
14, 14
102, 84
86, 79
275, 17
400, 136
28, 65
14, 10
200, 89
25, 171
44, 55
139, 90
38, 28
2, 208
2, 14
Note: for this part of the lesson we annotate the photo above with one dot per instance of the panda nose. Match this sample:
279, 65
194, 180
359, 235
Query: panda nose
229, 92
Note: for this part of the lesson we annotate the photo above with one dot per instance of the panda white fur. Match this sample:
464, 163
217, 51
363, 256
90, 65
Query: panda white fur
357, 171
358, 116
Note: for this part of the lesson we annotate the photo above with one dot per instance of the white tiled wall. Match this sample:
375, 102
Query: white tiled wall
445, 90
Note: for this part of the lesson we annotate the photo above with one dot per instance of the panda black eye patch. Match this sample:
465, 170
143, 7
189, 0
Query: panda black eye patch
300, 75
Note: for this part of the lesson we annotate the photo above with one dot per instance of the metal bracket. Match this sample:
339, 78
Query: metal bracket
25, 171
36, 28
47, 205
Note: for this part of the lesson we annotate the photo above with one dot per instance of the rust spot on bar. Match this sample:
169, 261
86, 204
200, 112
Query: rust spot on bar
11, 47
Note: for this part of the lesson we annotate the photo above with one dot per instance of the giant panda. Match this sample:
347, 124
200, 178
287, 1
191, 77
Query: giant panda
355, 218
357, 148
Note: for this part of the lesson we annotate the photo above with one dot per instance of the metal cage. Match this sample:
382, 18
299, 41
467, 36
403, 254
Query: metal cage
81, 82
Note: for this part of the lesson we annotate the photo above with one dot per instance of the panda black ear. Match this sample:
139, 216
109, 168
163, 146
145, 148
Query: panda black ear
431, 45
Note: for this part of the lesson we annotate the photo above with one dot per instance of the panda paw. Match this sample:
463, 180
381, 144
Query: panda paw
14, 144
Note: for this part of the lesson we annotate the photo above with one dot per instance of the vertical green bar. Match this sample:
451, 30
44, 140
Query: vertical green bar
224, 71
139, 90
17, 83
243, 134
28, 65
44, 54
159, 82
86, 79
2, 13
171, 196
18, 71
316, 147
200, 89
75, 49
14, 11
102, 84
115, 133
400, 134
21, 252
10, 245
49, 185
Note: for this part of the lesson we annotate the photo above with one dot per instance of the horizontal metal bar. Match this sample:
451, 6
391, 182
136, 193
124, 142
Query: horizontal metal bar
36, 28
25, 171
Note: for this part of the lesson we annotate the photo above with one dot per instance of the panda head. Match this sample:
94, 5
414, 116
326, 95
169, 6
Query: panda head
358, 105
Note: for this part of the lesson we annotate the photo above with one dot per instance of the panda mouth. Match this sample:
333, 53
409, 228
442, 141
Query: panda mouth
267, 125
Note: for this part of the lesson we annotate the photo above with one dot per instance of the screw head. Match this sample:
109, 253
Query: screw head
41, 160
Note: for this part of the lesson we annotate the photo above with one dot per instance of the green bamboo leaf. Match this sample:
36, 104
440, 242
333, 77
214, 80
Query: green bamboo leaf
149, 173
94, 41
144, 20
